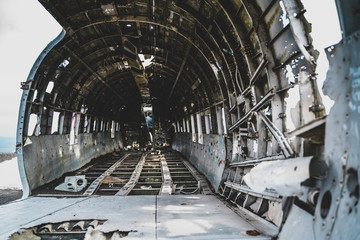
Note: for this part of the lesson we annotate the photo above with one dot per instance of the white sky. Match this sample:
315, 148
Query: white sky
9, 175
26, 28
325, 32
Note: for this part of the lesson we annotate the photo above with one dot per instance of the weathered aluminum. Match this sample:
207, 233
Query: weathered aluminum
246, 55
336, 215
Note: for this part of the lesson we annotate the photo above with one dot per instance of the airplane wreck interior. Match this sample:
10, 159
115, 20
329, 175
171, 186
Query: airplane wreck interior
240, 144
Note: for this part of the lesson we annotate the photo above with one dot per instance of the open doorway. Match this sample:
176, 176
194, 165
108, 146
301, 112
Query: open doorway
147, 110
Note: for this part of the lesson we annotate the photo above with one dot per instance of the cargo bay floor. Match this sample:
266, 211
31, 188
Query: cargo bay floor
138, 217
137, 195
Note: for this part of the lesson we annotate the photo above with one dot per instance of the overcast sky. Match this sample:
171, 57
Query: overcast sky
26, 28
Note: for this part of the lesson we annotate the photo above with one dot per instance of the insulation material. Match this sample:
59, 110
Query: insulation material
283, 176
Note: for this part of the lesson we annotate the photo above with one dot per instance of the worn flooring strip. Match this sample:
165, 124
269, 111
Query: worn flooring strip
205, 188
167, 186
133, 179
95, 184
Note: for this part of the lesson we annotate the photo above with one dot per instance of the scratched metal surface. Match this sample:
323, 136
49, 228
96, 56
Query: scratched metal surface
208, 158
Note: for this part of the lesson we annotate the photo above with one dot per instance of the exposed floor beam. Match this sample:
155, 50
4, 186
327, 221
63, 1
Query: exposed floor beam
95, 184
167, 186
133, 179
204, 186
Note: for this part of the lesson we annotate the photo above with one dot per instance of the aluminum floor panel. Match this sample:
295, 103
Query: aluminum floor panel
145, 217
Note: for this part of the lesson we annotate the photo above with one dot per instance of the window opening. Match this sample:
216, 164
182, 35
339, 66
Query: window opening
101, 129
112, 129
188, 125
86, 124
61, 123
50, 87
184, 125
32, 124
210, 123
146, 60
199, 128
74, 129
224, 121
207, 123
193, 128
55, 123
178, 126
94, 125
219, 121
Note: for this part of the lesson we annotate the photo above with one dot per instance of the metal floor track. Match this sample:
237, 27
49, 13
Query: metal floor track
160, 172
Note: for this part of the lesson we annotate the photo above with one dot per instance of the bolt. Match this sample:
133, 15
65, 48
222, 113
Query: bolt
282, 115
323, 225
334, 181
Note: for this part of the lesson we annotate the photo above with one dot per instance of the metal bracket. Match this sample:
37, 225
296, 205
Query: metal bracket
73, 184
